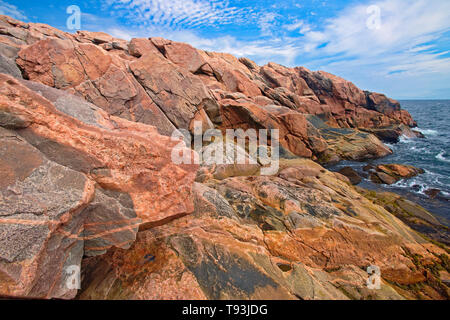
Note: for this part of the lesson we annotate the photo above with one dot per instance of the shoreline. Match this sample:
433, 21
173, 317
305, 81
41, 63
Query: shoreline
438, 206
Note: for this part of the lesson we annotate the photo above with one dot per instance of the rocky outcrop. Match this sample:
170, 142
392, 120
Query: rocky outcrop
392, 134
350, 173
184, 82
292, 126
412, 214
432, 193
352, 107
88, 71
391, 173
347, 144
87, 177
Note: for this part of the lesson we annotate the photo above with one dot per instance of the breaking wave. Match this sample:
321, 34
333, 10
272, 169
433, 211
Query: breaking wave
427, 132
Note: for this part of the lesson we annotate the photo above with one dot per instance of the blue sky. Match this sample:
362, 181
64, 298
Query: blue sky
403, 49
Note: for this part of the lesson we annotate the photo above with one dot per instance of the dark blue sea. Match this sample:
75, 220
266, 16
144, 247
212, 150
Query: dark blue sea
431, 154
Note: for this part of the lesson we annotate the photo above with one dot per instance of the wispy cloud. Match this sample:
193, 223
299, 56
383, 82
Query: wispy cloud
267, 22
180, 13
297, 24
261, 51
404, 24
11, 10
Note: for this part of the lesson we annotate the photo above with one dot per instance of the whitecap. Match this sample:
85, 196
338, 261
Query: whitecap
441, 157
419, 184
409, 184
405, 139
420, 150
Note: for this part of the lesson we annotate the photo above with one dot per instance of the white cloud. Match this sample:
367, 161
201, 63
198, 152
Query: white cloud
11, 10
403, 48
294, 26
181, 13
259, 50
404, 24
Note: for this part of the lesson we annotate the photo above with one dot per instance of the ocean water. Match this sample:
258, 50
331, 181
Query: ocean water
431, 154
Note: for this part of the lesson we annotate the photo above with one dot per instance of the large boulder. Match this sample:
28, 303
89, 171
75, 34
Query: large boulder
279, 76
226, 72
391, 173
182, 54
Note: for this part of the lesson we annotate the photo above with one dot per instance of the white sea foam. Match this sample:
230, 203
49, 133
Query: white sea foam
441, 157
427, 132
421, 183
412, 186
405, 139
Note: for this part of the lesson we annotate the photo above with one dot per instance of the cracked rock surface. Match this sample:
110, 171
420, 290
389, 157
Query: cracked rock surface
87, 180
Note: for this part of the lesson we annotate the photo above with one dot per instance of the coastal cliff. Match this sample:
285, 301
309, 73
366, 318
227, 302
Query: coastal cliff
87, 178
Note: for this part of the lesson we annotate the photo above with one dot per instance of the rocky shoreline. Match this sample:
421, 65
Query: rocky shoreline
88, 182
381, 178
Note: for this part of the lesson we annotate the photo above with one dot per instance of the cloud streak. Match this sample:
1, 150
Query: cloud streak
181, 13
11, 10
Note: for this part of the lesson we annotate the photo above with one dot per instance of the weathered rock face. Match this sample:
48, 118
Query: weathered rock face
352, 107
304, 234
87, 178
412, 214
347, 144
88, 71
379, 102
42, 205
178, 93
75, 181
